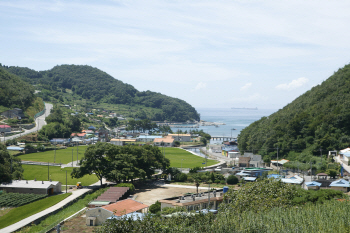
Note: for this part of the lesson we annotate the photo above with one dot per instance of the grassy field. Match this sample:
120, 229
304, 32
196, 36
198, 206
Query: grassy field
56, 174
62, 155
188, 160
19, 213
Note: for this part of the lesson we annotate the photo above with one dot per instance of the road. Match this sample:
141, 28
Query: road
27, 221
40, 122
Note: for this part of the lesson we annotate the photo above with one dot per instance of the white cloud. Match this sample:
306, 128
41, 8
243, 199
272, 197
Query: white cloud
293, 84
246, 86
200, 85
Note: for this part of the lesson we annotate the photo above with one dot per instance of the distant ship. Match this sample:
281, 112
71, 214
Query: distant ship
246, 108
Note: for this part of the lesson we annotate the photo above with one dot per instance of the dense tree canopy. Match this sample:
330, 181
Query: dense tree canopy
121, 163
10, 166
14, 92
317, 120
97, 86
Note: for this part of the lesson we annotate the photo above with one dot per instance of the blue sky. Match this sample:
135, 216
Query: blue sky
209, 53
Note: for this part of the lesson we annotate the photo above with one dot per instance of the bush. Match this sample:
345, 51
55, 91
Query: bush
195, 169
217, 181
222, 182
232, 179
154, 208
131, 186
182, 177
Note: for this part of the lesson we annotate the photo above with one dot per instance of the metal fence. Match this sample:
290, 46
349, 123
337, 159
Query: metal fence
40, 113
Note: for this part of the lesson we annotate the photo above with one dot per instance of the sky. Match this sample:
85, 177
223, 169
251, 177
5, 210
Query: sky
212, 54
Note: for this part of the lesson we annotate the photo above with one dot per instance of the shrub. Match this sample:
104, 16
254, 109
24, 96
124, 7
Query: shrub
182, 177
195, 169
232, 179
154, 208
222, 182
217, 181
131, 186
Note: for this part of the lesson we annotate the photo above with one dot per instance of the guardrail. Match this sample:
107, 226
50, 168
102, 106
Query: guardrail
40, 113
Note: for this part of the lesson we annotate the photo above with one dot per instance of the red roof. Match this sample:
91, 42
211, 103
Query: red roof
5, 126
125, 207
78, 134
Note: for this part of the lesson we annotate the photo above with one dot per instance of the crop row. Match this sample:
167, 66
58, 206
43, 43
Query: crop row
18, 199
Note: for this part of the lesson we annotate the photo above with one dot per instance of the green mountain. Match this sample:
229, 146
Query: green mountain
98, 87
315, 121
14, 92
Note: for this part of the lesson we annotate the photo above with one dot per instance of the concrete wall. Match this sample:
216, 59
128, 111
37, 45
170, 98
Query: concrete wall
343, 189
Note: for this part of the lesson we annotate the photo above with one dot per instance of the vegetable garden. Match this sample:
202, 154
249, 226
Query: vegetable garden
19, 199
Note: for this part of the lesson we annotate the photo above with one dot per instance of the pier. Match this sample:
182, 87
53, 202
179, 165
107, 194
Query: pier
223, 138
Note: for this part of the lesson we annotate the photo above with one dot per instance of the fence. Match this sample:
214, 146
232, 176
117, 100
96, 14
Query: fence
40, 113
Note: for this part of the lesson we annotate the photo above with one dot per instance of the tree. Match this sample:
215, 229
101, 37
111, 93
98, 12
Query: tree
10, 167
94, 161
232, 179
155, 208
197, 180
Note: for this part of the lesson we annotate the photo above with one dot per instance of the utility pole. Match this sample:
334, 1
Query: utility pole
48, 170
77, 153
54, 160
72, 157
277, 162
208, 197
66, 181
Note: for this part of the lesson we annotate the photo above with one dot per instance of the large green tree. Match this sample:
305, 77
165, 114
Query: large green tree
10, 166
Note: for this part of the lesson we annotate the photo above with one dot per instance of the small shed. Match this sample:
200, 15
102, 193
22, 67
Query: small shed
313, 185
342, 185
5, 128
322, 176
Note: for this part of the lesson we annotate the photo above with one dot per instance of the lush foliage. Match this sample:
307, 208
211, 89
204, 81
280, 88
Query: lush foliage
19, 199
25, 211
318, 119
155, 208
232, 179
95, 85
130, 185
14, 92
120, 164
10, 166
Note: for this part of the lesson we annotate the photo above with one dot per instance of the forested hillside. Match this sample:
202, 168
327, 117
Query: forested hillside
97, 86
14, 92
318, 120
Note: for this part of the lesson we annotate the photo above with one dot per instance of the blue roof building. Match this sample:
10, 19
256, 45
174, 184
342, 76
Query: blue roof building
313, 185
342, 185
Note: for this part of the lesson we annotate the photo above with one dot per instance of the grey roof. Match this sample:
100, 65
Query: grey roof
313, 184
30, 184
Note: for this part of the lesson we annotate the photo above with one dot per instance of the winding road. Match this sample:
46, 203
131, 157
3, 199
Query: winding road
39, 123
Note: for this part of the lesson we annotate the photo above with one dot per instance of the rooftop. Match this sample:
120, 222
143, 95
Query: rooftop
194, 198
29, 184
125, 207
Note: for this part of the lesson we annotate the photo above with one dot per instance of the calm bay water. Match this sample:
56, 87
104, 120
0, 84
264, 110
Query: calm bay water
236, 119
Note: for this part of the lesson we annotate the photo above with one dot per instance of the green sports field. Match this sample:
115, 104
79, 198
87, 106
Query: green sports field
177, 155
38, 172
63, 156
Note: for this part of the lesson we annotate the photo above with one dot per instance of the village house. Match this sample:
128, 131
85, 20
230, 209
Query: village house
121, 141
167, 141
147, 138
5, 128
181, 137
98, 215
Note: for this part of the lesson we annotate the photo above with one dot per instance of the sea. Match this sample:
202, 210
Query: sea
234, 121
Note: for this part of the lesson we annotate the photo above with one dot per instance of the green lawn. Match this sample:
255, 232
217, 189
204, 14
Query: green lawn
25, 211
189, 160
62, 155
56, 174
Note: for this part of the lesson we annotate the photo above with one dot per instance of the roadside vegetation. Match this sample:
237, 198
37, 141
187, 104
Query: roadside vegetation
19, 213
